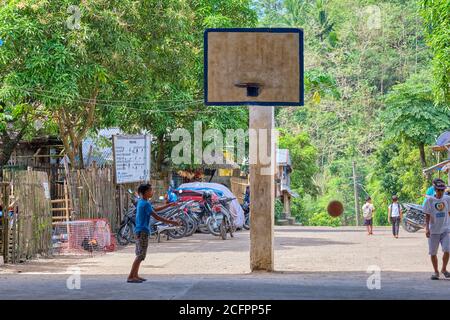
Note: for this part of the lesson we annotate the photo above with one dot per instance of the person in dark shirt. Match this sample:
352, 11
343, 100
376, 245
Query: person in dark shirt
142, 230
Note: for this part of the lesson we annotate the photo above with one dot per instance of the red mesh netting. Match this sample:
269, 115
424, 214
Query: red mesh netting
85, 236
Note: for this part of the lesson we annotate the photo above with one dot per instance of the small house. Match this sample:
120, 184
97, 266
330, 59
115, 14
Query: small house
283, 180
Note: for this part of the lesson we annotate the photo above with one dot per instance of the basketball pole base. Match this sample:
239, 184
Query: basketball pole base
262, 187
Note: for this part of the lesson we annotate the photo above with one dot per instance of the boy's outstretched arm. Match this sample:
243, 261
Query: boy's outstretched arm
164, 207
159, 218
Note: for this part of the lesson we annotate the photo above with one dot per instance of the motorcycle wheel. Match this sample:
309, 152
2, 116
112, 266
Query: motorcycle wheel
223, 229
409, 227
124, 235
203, 228
247, 222
212, 226
192, 224
179, 232
232, 229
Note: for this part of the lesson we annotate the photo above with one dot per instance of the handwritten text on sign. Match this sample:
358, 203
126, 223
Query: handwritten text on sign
132, 158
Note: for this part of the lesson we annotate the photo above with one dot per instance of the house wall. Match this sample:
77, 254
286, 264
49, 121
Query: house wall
23, 156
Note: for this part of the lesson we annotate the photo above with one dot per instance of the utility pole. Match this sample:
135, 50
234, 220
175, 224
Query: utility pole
355, 188
262, 188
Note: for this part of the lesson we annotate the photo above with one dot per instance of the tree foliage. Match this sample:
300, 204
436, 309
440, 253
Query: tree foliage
357, 97
134, 64
436, 15
411, 115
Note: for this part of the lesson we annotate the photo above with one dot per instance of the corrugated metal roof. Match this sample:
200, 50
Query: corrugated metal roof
101, 154
283, 157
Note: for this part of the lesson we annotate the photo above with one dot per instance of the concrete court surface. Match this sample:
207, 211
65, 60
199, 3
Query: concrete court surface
310, 263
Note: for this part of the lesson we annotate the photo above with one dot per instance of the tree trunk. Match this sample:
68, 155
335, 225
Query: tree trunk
73, 127
355, 191
423, 161
160, 155
422, 155
8, 147
80, 154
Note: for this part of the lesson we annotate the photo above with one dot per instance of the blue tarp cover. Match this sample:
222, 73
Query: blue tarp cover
443, 139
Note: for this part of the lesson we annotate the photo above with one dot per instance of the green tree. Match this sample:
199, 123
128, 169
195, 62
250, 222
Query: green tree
176, 75
371, 46
412, 116
17, 122
436, 14
303, 157
68, 68
396, 170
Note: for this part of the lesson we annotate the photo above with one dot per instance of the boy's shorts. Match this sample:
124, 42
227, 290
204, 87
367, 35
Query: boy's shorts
368, 222
141, 245
435, 239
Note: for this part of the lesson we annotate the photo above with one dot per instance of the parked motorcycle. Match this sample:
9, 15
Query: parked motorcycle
197, 211
413, 217
125, 235
210, 213
220, 221
246, 208
179, 212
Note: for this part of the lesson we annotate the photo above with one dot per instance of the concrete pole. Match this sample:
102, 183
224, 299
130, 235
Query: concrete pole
262, 187
287, 204
355, 189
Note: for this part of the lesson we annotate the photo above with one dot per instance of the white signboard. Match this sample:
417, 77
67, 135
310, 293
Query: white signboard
131, 158
46, 190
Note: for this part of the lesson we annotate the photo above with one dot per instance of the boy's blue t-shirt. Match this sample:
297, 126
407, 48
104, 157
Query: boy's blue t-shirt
143, 212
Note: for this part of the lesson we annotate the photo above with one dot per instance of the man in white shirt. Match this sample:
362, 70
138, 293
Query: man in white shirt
395, 216
368, 210
437, 210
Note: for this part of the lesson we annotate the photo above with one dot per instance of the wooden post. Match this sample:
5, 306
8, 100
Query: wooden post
4, 218
71, 188
438, 161
67, 210
262, 188
117, 187
355, 189
287, 204
66, 201
121, 204
448, 172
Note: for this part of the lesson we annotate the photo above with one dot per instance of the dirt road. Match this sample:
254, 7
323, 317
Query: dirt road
311, 263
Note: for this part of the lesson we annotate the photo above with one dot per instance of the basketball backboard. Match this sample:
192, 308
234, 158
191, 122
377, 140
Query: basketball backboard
261, 66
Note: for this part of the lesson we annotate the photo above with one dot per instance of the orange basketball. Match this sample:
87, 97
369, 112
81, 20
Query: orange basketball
335, 208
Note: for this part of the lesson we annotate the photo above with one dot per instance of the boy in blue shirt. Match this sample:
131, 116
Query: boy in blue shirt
143, 212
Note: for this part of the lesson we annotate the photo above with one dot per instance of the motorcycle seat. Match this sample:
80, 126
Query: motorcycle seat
415, 206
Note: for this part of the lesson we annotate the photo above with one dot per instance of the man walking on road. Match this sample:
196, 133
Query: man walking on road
395, 215
368, 210
437, 210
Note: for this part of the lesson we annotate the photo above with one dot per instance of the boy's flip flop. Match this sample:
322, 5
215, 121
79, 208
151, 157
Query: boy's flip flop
134, 281
446, 274
142, 279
